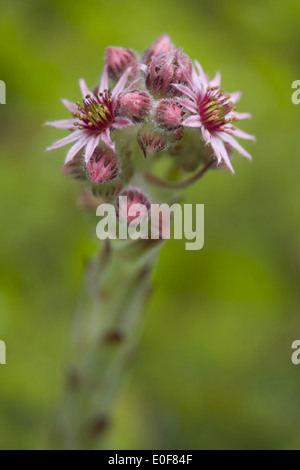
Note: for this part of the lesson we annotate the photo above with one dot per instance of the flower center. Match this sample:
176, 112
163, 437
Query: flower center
96, 113
214, 108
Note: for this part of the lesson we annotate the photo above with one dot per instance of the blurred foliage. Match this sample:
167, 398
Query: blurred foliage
214, 368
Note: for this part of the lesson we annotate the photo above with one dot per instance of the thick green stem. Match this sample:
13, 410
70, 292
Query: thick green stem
106, 332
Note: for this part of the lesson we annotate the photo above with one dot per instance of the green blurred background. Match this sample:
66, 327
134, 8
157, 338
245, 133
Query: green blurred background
214, 369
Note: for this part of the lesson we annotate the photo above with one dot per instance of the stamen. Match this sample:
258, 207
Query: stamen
97, 112
213, 109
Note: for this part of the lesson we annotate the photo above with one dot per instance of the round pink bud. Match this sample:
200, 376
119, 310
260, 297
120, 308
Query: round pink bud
169, 114
162, 44
160, 74
103, 166
151, 141
118, 60
183, 67
132, 203
134, 104
165, 71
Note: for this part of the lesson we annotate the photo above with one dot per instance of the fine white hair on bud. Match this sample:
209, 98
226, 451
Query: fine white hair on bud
118, 60
169, 114
152, 141
103, 166
135, 104
162, 44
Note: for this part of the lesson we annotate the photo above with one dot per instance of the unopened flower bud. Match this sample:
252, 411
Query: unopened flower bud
169, 115
132, 203
182, 67
160, 74
162, 44
118, 60
134, 104
151, 141
166, 70
103, 166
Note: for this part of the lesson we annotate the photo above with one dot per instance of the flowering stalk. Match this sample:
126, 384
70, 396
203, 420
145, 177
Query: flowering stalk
159, 107
105, 336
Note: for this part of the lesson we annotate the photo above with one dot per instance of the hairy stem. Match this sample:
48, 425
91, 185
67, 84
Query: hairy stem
152, 179
106, 331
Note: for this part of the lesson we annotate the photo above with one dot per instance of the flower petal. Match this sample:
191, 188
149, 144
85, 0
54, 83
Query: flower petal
192, 121
206, 135
62, 124
66, 140
121, 122
132, 85
185, 90
105, 137
188, 104
143, 67
221, 152
72, 107
239, 116
75, 149
230, 140
121, 83
192, 78
243, 135
202, 77
216, 81
104, 80
234, 97
92, 143
84, 89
